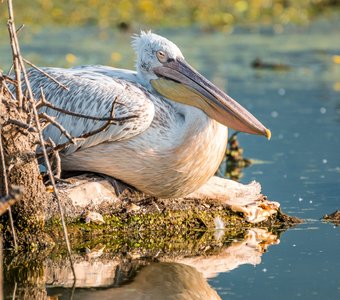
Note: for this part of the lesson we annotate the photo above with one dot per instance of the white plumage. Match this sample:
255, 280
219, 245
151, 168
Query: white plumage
172, 146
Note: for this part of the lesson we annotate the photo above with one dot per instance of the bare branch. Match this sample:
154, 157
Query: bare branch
8, 90
10, 70
3, 79
46, 74
7, 78
15, 51
19, 61
93, 132
57, 160
20, 124
50, 174
52, 121
20, 28
44, 102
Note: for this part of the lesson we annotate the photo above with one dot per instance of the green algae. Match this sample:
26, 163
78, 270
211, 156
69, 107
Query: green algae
138, 238
169, 231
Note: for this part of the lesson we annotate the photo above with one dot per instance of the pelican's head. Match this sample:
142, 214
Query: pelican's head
161, 64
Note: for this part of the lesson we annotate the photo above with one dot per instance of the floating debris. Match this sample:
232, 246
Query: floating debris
333, 217
259, 64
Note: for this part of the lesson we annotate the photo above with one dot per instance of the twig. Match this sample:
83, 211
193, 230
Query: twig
91, 133
37, 121
6, 77
46, 74
15, 52
105, 126
20, 28
57, 160
10, 70
5, 180
8, 90
50, 173
109, 121
20, 124
44, 102
52, 121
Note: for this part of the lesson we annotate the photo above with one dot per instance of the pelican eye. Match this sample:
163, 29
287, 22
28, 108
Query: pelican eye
162, 56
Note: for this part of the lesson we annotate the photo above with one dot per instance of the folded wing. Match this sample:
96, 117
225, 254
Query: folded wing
97, 95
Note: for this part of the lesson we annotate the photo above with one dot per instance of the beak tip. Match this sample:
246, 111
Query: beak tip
268, 134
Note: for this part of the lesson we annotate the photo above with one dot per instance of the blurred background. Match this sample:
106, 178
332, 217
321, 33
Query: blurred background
207, 15
278, 58
49, 19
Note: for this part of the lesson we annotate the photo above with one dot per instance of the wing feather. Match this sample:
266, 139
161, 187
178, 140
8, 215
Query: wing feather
93, 94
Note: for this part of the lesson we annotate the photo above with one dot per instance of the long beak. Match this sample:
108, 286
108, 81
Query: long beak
180, 82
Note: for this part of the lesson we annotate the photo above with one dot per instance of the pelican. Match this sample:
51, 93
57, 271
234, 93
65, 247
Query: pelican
177, 136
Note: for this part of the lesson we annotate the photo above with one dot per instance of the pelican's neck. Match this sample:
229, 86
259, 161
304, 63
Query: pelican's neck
145, 78
196, 148
198, 128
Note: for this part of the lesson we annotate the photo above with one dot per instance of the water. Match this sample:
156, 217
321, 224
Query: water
299, 167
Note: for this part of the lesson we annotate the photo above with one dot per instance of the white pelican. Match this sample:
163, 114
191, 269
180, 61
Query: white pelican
178, 139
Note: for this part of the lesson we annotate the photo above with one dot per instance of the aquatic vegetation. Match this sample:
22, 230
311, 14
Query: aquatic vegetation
207, 14
234, 160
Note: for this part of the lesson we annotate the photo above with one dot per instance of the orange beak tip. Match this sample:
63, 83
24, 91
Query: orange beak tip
268, 134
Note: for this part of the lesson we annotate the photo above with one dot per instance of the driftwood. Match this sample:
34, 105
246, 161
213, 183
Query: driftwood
91, 192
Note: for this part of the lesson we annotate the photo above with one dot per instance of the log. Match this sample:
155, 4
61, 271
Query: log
94, 193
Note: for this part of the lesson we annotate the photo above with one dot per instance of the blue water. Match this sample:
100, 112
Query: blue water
299, 167
305, 265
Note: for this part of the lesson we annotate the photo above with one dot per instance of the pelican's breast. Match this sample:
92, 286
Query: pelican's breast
172, 158
196, 160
